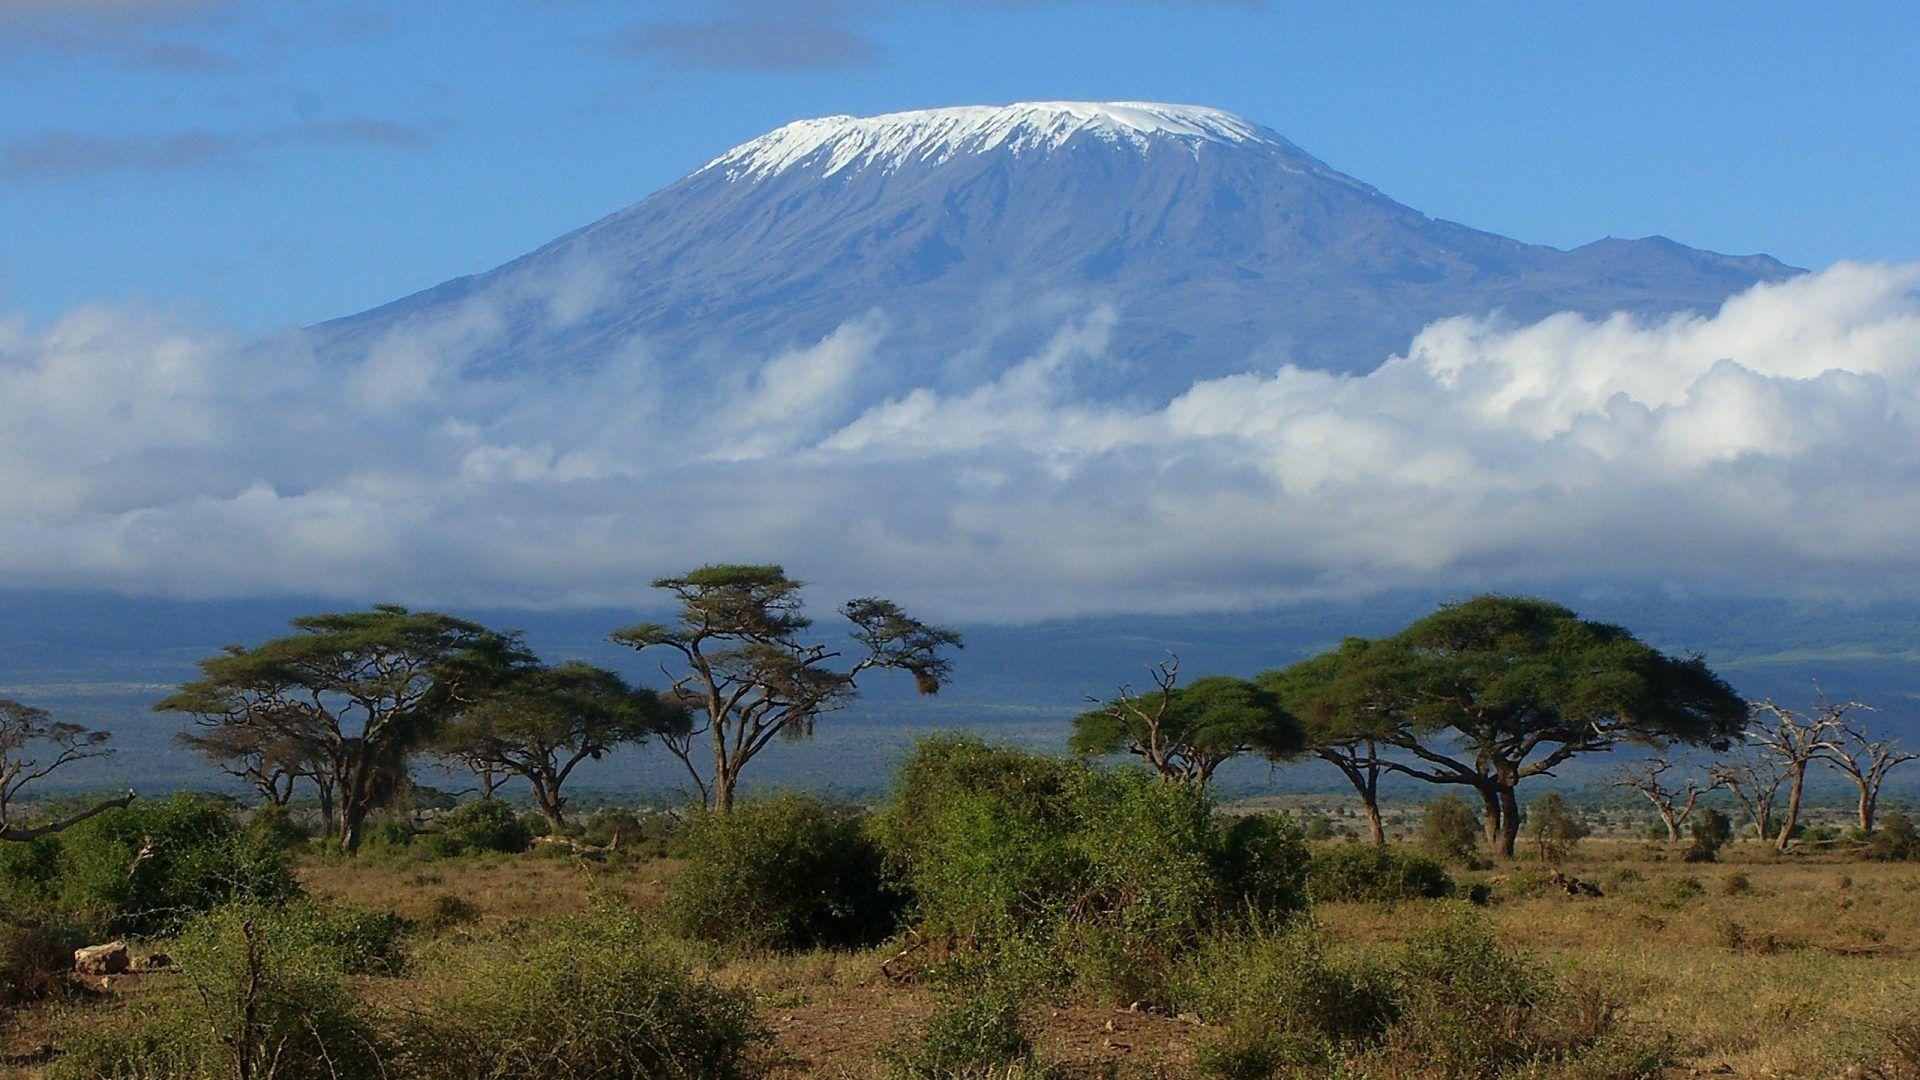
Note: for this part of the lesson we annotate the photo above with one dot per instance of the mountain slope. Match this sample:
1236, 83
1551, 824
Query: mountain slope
972, 233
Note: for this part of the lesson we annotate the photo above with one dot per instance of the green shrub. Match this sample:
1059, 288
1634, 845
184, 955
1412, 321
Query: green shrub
1449, 830
146, 868
1263, 863
384, 833
1554, 830
1111, 872
789, 872
1894, 839
1285, 983
978, 1026
267, 1000
357, 941
1710, 832
477, 827
621, 829
1464, 1002
1373, 873
589, 997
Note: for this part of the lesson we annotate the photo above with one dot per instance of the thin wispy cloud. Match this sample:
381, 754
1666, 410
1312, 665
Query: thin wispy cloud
146, 33
64, 156
794, 36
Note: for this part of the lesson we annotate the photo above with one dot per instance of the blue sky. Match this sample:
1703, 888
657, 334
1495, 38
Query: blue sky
254, 164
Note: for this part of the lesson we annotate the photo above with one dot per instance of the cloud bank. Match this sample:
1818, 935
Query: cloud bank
1772, 448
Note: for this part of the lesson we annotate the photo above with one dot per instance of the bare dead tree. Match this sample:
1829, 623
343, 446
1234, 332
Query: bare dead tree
1753, 778
1797, 740
1865, 761
1673, 798
32, 746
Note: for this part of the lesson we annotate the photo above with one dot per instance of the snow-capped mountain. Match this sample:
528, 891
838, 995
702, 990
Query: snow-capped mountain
969, 235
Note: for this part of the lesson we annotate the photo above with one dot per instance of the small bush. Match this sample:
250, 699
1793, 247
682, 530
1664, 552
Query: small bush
789, 872
449, 910
146, 868
1553, 829
267, 1001
1285, 982
34, 960
356, 941
1372, 873
979, 1025
1736, 884
1464, 1002
589, 997
1675, 893
1711, 830
621, 829
1894, 839
476, 827
1449, 830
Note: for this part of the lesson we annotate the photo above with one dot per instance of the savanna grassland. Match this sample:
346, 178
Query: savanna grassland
1757, 964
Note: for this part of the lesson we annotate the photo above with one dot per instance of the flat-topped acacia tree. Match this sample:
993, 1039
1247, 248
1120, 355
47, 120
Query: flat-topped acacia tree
1491, 691
748, 676
355, 693
1349, 716
1185, 733
543, 722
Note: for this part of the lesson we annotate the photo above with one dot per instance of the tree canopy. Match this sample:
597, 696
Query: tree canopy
749, 677
1490, 691
354, 693
1186, 733
544, 721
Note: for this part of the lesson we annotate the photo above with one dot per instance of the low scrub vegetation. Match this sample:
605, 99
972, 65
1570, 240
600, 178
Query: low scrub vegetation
789, 872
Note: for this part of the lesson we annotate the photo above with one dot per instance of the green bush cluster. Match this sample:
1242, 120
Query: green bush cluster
268, 997
787, 872
145, 868
1114, 873
477, 827
590, 997
1374, 873
1449, 830
268, 1000
1451, 1003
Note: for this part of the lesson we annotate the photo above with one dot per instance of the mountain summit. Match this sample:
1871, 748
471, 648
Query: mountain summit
969, 236
835, 144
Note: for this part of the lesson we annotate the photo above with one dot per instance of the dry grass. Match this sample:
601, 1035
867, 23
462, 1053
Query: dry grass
1783, 967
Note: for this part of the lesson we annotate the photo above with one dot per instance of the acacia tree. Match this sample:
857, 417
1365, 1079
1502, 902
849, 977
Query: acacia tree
1796, 740
357, 693
32, 746
747, 676
545, 721
1866, 761
1347, 719
1185, 733
266, 760
1489, 692
1673, 799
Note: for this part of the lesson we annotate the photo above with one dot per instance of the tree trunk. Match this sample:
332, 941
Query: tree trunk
550, 804
1673, 826
351, 818
1490, 803
1793, 807
1509, 821
1867, 808
1376, 829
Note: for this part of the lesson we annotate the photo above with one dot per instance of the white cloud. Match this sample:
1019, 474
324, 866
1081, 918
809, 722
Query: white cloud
1773, 447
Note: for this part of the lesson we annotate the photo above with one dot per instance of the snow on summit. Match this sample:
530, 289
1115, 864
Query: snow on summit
931, 136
